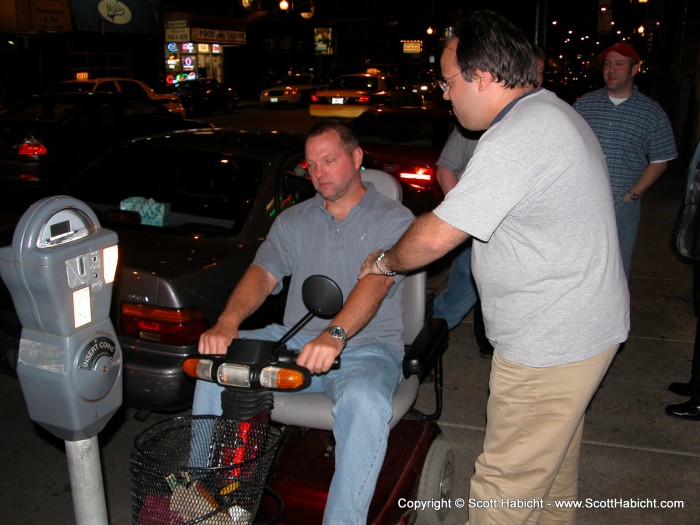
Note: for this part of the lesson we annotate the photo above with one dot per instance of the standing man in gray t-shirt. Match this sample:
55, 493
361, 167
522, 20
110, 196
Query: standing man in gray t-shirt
548, 267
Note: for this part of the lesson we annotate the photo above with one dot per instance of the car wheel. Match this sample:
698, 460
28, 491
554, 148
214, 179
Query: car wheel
436, 482
190, 111
229, 106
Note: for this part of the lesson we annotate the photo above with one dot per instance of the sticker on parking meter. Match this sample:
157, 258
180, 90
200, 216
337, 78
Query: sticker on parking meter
82, 314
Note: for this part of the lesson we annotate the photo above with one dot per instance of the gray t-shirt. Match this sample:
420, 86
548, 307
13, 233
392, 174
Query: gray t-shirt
307, 240
548, 269
456, 152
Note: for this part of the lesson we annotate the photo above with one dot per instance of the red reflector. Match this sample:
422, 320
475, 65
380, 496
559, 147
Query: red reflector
172, 326
314, 98
32, 149
363, 99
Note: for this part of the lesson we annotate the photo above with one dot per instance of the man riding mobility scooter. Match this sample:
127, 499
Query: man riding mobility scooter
418, 464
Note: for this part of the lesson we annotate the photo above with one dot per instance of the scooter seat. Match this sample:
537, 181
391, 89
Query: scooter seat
314, 410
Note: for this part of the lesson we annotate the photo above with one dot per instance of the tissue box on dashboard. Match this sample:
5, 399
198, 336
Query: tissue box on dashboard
152, 213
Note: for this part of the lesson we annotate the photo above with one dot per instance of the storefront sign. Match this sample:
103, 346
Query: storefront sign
115, 16
47, 15
412, 46
219, 36
323, 40
177, 34
176, 24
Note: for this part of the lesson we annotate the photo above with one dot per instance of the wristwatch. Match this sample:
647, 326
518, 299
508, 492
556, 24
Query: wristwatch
634, 196
384, 272
338, 332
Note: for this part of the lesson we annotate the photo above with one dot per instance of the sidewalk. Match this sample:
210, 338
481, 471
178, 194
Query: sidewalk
632, 452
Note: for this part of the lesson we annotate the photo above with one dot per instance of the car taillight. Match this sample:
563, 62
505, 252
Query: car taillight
363, 99
31, 148
171, 326
314, 98
417, 176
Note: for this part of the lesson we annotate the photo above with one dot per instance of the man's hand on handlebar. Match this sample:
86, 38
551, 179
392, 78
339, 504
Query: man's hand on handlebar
217, 339
318, 355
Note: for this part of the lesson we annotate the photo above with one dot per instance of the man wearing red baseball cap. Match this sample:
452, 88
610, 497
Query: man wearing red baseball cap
635, 135
624, 49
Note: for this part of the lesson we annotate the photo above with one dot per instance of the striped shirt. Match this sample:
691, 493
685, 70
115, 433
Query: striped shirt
632, 135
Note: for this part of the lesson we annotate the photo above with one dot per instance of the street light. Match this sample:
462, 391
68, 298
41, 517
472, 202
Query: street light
284, 5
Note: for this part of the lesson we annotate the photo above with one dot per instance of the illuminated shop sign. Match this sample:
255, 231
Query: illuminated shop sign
188, 64
172, 47
187, 47
412, 46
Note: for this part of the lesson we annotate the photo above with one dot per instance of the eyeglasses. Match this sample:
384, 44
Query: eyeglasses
443, 82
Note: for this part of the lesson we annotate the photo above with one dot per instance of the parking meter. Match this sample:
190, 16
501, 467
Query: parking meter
60, 271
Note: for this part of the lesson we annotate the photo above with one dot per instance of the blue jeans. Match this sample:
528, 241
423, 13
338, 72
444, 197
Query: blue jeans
627, 217
460, 295
362, 391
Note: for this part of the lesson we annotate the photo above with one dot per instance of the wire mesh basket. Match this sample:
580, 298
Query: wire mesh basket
204, 470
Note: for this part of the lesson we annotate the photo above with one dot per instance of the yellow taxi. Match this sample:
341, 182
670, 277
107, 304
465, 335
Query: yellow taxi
349, 96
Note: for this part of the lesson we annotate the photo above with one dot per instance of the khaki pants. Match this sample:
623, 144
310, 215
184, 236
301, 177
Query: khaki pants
533, 436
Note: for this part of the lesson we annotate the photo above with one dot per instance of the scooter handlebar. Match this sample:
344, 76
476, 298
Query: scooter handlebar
289, 355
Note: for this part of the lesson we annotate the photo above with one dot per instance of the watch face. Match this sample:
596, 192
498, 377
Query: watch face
337, 331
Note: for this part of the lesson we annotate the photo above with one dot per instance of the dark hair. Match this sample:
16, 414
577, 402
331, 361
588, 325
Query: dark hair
490, 42
348, 139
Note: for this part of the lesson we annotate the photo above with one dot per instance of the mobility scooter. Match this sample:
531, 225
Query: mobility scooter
419, 464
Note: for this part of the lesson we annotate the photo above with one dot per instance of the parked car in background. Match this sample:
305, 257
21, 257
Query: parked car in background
190, 209
128, 86
48, 138
349, 96
205, 95
406, 142
295, 90
424, 81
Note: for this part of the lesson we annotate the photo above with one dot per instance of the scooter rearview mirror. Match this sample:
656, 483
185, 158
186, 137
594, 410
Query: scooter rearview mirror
322, 296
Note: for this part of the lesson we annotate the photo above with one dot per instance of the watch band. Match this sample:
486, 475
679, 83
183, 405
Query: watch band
338, 332
382, 270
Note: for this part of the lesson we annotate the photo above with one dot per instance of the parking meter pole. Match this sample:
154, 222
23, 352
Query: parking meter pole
86, 483
60, 272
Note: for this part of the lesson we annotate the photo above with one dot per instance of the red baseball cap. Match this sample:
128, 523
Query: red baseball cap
624, 49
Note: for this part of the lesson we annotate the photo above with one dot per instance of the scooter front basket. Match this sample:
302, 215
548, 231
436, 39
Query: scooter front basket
200, 470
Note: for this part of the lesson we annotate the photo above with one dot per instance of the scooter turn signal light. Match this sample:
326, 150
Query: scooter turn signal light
202, 368
199, 368
283, 378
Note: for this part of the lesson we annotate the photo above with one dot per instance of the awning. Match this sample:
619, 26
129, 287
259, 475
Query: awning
115, 16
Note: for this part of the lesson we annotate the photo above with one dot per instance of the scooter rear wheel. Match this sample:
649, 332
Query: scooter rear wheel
436, 482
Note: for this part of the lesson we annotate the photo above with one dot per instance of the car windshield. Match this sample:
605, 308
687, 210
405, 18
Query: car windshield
188, 87
356, 83
168, 188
